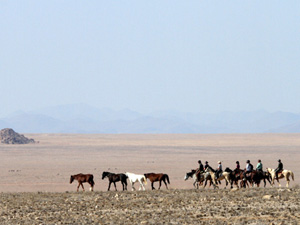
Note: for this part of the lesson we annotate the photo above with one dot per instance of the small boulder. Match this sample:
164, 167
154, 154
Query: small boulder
267, 197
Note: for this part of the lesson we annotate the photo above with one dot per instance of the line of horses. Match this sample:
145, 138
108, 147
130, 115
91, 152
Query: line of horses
122, 177
232, 177
201, 178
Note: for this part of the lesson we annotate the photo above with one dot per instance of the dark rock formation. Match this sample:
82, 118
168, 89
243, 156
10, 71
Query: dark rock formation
9, 136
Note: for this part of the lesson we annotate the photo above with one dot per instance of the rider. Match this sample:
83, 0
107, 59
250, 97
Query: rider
259, 166
207, 166
201, 168
278, 169
219, 169
249, 168
237, 168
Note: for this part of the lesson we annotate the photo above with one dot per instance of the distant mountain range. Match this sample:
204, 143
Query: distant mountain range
82, 118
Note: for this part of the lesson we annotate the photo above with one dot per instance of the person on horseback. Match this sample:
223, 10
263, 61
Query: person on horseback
201, 168
259, 166
207, 166
249, 168
278, 169
219, 169
237, 167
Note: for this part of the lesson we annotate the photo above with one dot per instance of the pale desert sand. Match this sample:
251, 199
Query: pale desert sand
46, 166
35, 187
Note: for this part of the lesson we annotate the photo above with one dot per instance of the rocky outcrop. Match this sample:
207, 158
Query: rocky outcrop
9, 136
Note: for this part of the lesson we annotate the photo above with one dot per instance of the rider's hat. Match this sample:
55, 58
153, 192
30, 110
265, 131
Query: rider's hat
219, 162
206, 162
259, 160
248, 161
279, 160
237, 162
199, 161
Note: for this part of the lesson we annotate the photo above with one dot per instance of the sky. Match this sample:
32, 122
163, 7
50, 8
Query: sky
190, 56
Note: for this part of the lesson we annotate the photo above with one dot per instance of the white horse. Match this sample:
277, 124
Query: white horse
193, 175
284, 174
200, 179
136, 178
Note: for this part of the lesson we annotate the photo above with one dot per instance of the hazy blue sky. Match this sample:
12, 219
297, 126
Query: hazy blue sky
196, 56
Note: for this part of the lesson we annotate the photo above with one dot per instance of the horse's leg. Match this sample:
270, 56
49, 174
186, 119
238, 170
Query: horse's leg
143, 185
91, 188
115, 186
194, 184
125, 182
152, 186
165, 184
159, 184
82, 186
109, 185
78, 186
287, 180
132, 186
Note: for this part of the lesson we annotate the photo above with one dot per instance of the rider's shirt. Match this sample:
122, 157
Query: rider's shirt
248, 167
280, 166
201, 167
259, 166
220, 167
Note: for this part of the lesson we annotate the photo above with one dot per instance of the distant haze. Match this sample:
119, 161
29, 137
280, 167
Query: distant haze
204, 57
82, 118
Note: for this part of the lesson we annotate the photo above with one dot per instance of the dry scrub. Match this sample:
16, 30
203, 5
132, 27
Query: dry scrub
246, 206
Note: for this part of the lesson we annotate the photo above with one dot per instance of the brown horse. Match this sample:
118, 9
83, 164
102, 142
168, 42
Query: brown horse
154, 177
82, 178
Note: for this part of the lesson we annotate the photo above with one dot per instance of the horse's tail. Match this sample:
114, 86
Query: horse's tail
292, 175
167, 177
145, 180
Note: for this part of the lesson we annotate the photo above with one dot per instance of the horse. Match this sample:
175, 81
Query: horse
198, 178
235, 176
257, 176
225, 175
193, 175
113, 178
154, 177
136, 178
82, 178
284, 174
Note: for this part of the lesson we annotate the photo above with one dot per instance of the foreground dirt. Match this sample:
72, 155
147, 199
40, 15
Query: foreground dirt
246, 206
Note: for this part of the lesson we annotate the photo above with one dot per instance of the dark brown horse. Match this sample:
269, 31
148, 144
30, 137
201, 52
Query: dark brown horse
257, 176
113, 178
235, 176
82, 178
154, 177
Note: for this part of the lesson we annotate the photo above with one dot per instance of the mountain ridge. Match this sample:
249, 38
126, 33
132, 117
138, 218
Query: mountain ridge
82, 118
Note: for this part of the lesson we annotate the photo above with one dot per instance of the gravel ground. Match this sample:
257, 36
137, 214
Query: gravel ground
245, 206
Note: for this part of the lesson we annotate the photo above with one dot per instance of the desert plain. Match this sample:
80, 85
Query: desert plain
35, 186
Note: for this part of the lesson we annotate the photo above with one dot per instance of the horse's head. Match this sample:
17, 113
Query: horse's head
228, 170
186, 176
104, 174
71, 179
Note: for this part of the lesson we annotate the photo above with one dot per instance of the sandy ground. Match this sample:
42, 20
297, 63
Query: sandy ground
46, 166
